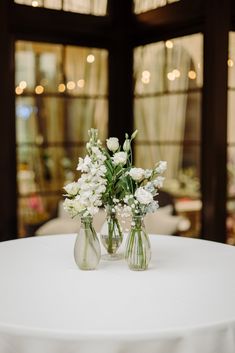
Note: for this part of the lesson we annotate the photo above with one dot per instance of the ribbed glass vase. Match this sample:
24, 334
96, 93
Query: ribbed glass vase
87, 252
138, 248
111, 235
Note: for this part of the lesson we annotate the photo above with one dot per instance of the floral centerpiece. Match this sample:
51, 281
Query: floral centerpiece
141, 189
108, 179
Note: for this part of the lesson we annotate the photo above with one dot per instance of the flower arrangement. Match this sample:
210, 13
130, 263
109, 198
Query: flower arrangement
109, 179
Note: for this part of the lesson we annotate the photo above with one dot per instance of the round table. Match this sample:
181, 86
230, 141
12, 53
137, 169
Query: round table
184, 303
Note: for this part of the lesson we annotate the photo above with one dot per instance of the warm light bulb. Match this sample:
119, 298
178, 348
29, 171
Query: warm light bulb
146, 74
35, 3
176, 73
18, 90
169, 44
192, 75
90, 58
23, 84
81, 83
61, 87
70, 85
230, 63
39, 89
171, 76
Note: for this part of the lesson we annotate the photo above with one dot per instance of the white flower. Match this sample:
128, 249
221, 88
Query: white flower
112, 144
127, 145
72, 188
84, 164
147, 173
119, 158
162, 165
144, 197
73, 207
158, 182
137, 174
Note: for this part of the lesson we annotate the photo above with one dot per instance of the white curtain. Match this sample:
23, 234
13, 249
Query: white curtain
159, 113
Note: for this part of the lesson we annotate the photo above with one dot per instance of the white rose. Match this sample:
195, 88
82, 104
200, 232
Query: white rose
112, 144
137, 174
119, 158
143, 196
72, 188
162, 165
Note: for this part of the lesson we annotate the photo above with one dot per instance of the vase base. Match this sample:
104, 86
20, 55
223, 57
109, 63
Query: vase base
112, 257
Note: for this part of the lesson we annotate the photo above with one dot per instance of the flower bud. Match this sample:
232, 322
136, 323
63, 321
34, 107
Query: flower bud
126, 145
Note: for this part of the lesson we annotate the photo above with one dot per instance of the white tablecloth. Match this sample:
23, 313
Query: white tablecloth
184, 303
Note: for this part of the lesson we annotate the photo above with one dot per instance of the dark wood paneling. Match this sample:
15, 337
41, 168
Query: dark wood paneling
8, 226
214, 121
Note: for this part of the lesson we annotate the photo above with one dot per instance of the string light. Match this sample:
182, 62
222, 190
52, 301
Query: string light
171, 76
81, 83
176, 72
35, 3
192, 75
90, 58
39, 89
230, 63
23, 84
18, 90
169, 44
61, 87
71, 85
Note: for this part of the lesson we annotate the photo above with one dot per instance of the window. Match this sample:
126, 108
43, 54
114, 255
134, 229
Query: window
94, 7
168, 82
59, 96
145, 5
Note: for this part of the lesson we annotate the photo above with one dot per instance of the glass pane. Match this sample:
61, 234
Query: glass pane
167, 114
174, 65
52, 120
86, 71
38, 67
145, 5
231, 60
94, 7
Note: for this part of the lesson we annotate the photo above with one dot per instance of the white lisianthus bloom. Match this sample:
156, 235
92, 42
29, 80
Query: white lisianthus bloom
144, 197
72, 188
162, 165
119, 158
127, 145
158, 182
137, 174
112, 144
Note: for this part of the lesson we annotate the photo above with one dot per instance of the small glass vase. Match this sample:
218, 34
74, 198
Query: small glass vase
87, 252
138, 248
111, 235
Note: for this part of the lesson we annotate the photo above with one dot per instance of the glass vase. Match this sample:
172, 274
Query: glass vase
111, 235
138, 249
87, 252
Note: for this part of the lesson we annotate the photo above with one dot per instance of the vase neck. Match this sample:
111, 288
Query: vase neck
86, 222
137, 221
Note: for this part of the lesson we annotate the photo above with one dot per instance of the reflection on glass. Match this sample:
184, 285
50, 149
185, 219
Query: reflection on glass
231, 142
52, 119
168, 81
143, 5
94, 7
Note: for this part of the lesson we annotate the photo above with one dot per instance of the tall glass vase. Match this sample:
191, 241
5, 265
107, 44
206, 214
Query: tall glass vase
87, 252
138, 249
111, 235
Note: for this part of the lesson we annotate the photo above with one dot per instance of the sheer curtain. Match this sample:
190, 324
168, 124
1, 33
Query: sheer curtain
162, 81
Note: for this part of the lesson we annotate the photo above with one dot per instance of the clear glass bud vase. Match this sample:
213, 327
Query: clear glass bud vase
111, 235
87, 252
138, 249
